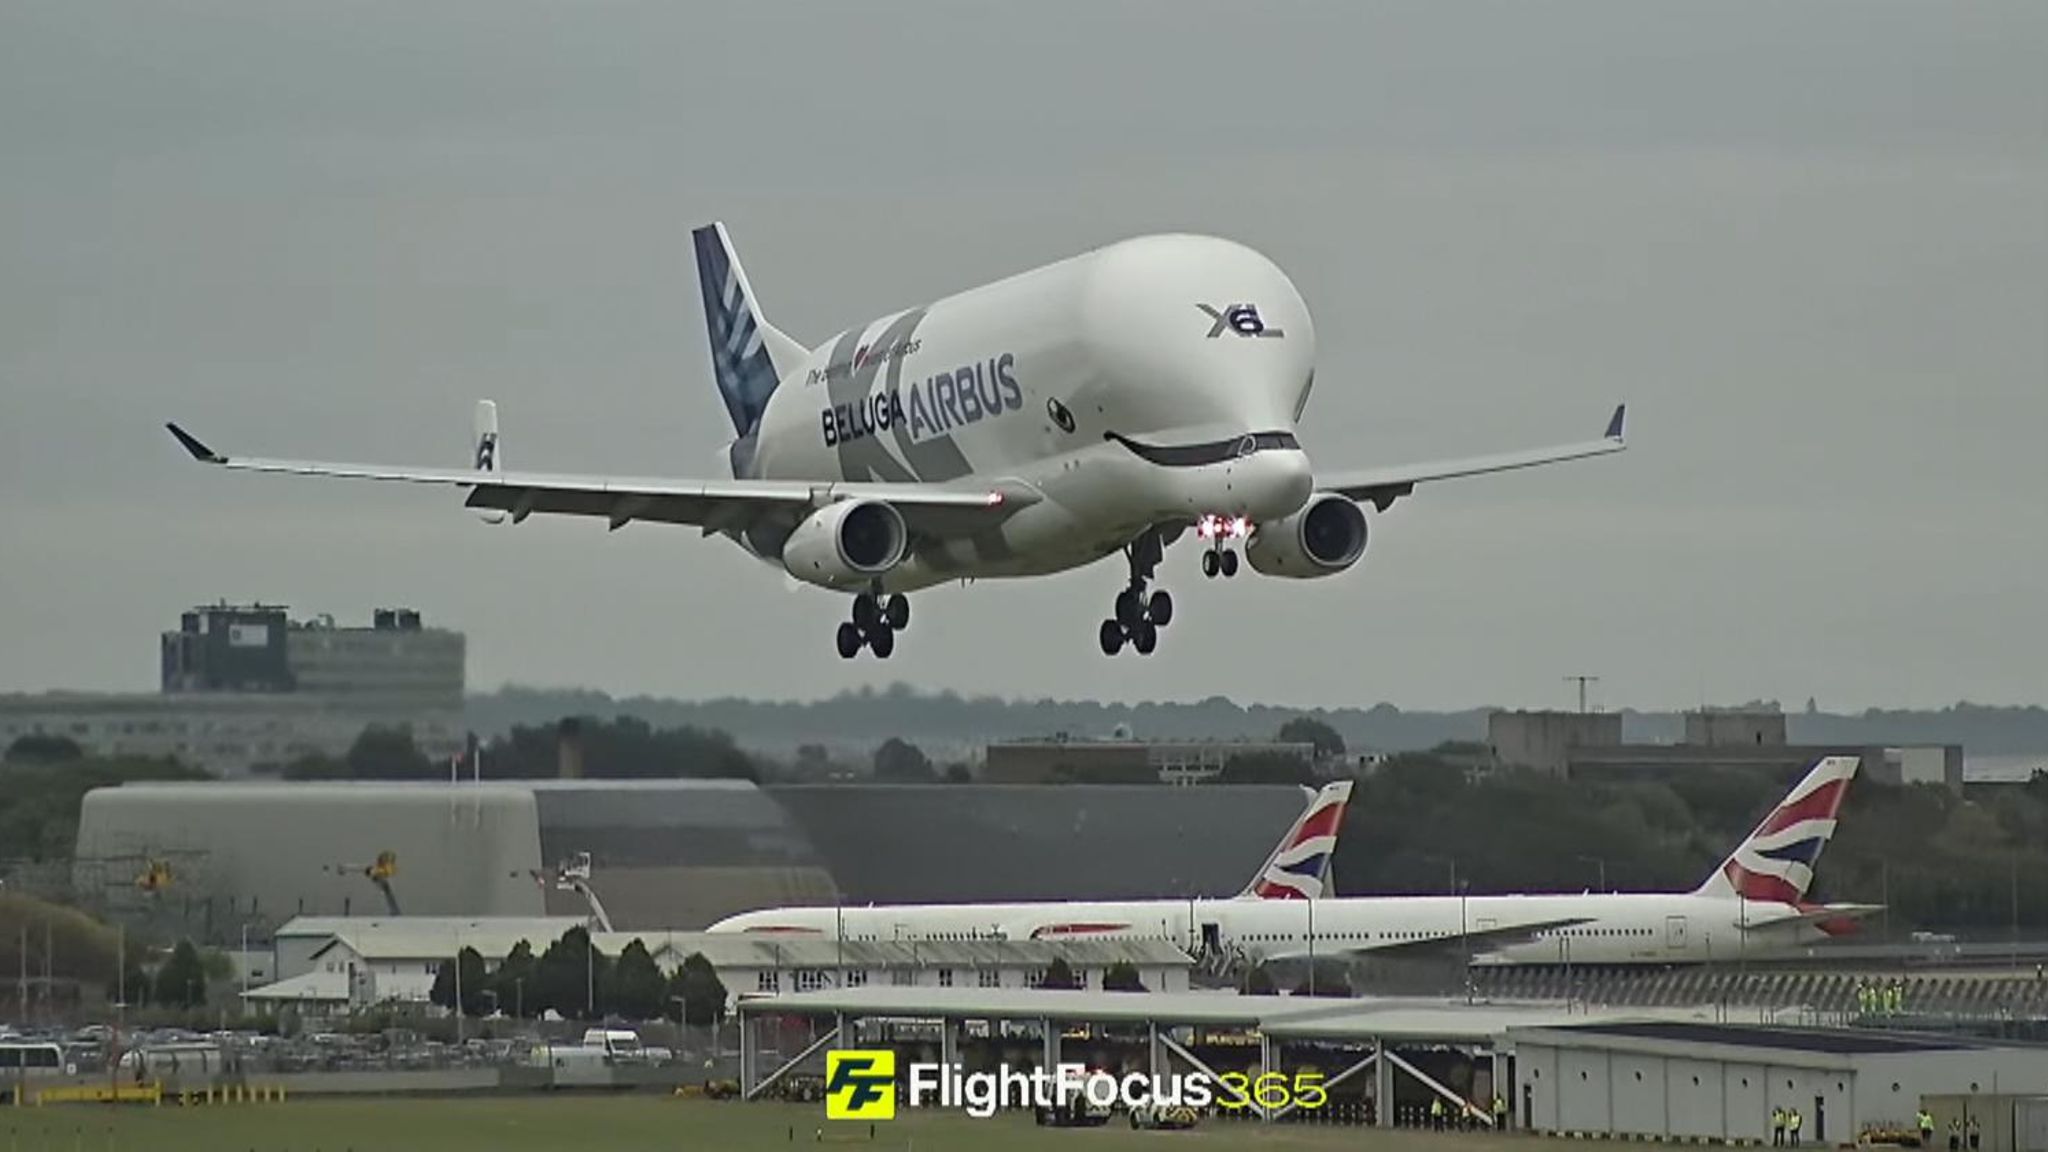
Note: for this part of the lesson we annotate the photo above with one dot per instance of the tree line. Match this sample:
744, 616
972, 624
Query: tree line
575, 980
618, 749
870, 715
1936, 857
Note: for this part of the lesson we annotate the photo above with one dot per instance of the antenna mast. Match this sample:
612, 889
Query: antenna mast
1582, 682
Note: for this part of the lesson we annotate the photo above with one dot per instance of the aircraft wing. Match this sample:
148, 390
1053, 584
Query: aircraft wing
1383, 486
715, 505
1477, 940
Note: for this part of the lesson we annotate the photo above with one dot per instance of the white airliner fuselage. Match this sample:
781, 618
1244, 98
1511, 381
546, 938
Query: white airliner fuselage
972, 388
1752, 904
1591, 928
1107, 402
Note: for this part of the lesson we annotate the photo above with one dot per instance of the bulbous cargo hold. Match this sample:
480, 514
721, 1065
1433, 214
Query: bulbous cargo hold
1326, 537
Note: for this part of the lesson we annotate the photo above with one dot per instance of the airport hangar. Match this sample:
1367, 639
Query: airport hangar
665, 854
1569, 1070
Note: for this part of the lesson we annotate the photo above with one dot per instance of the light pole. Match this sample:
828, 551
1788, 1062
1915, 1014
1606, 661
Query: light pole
1465, 941
1311, 946
244, 964
2015, 911
519, 997
1597, 862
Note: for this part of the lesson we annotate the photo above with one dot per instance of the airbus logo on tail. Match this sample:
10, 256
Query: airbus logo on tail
1242, 319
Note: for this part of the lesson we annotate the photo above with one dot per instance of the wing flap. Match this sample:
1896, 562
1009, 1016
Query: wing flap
711, 503
1382, 486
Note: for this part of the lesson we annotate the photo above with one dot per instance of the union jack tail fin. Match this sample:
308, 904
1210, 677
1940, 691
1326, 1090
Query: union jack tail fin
1775, 864
1299, 868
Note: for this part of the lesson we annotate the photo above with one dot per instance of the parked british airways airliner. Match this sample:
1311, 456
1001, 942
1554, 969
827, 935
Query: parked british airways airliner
1107, 403
1753, 904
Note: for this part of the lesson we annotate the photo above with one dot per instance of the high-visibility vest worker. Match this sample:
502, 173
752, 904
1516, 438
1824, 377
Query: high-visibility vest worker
1926, 1122
1777, 1126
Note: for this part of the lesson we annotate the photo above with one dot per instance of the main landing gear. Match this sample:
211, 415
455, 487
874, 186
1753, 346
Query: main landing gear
876, 620
1140, 613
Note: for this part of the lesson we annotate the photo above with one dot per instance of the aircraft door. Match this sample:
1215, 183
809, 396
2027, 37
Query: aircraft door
1211, 942
1674, 933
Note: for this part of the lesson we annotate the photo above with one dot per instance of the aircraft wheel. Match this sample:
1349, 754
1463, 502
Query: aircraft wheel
882, 641
1209, 563
1112, 636
849, 641
1229, 562
1130, 608
897, 613
1159, 609
866, 613
1145, 637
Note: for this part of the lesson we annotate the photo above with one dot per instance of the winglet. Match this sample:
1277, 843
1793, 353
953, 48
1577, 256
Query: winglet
1614, 422
200, 452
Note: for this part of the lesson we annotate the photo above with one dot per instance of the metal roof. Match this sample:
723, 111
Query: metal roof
1454, 1021
314, 987
1211, 1008
1290, 1018
536, 928
1829, 1041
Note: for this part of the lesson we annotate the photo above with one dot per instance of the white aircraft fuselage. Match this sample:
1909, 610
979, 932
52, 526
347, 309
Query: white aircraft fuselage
1031, 379
1590, 928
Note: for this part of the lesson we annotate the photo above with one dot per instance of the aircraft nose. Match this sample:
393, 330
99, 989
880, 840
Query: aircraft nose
1274, 483
1293, 479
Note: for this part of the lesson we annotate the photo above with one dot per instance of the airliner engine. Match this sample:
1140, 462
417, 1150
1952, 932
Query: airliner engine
846, 542
1325, 537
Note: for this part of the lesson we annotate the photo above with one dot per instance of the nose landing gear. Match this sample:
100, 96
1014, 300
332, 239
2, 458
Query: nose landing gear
874, 625
1219, 531
1140, 613
1217, 560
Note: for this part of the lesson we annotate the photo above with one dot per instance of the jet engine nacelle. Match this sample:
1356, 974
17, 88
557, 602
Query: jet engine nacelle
1325, 537
846, 542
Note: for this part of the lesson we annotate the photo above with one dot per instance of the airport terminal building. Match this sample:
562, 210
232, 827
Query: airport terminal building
244, 689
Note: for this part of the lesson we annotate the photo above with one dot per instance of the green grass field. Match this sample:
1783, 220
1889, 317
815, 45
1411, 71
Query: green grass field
633, 1124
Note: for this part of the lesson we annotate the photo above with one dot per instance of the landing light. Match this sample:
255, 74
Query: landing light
1213, 527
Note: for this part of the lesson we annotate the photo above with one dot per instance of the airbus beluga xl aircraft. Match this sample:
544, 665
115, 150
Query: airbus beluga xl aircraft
1107, 403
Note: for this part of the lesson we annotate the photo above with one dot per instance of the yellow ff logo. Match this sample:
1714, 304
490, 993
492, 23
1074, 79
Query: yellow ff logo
860, 1084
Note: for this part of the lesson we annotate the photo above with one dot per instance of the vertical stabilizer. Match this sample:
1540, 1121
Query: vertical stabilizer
1775, 864
1299, 867
748, 355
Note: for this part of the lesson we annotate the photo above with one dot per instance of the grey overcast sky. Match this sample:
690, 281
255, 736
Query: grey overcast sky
1808, 244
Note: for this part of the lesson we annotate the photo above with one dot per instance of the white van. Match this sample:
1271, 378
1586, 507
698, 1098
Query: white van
621, 1045
32, 1060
